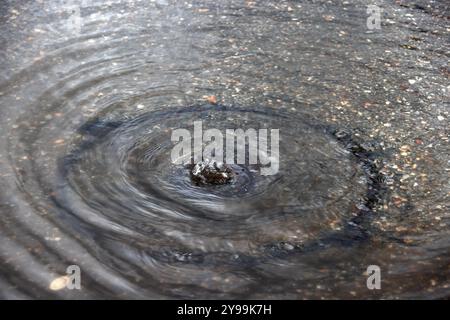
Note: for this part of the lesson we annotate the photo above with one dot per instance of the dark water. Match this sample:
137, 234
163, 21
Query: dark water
88, 107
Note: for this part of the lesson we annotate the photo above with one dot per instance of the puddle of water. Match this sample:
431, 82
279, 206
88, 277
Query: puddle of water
90, 97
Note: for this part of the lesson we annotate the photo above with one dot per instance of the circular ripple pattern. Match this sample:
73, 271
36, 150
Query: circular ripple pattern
85, 141
124, 169
119, 178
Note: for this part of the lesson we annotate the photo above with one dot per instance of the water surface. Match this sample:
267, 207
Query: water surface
89, 102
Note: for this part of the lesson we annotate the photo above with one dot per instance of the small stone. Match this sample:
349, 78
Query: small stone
59, 283
440, 118
405, 148
211, 99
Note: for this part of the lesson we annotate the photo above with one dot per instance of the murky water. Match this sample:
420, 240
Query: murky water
90, 96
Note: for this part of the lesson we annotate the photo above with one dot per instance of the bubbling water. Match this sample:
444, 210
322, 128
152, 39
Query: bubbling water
211, 172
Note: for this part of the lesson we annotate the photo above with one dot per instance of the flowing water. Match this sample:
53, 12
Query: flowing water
91, 91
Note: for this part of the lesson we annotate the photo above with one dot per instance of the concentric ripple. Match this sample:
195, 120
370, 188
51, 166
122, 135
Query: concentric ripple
86, 176
116, 181
121, 171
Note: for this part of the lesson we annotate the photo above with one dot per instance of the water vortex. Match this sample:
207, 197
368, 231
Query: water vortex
86, 176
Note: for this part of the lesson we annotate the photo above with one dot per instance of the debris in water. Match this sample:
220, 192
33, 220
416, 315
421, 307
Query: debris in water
59, 283
211, 99
211, 172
